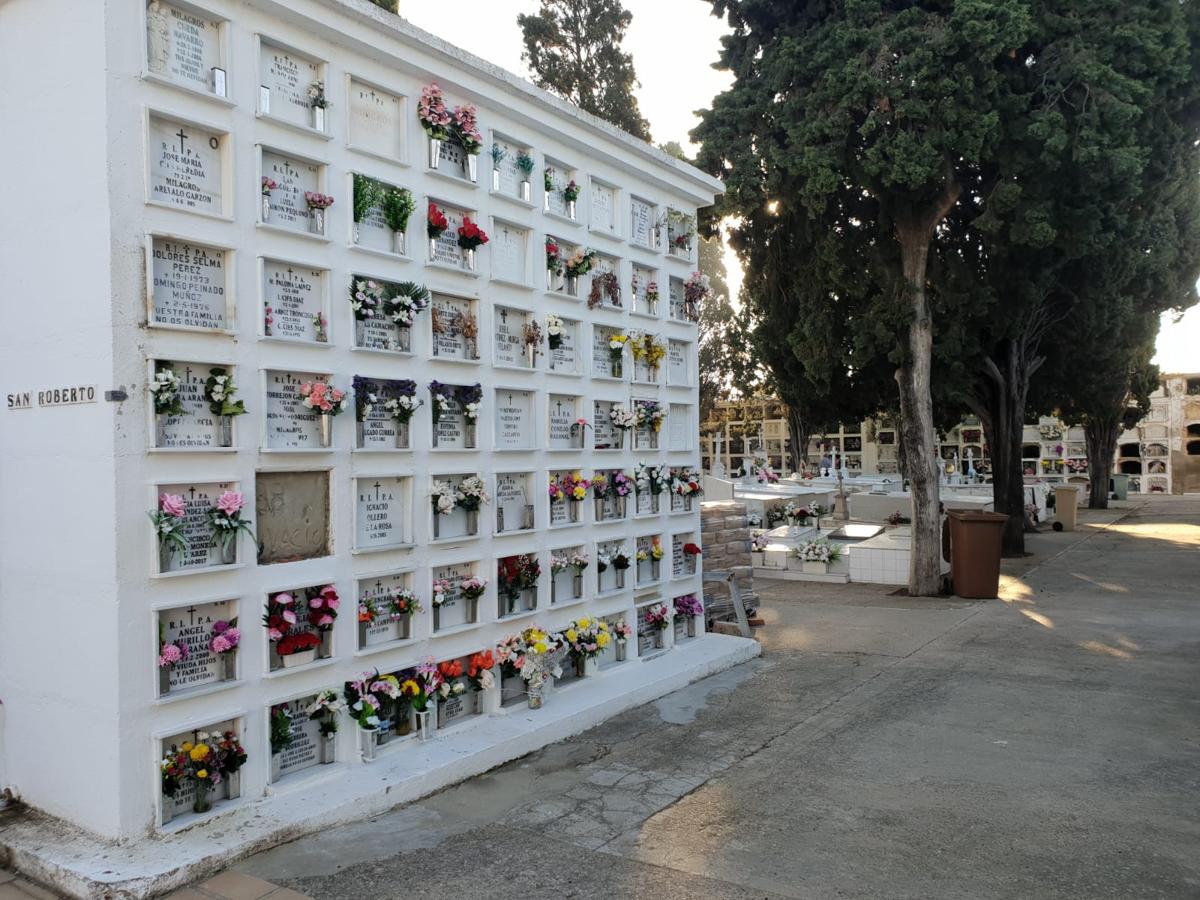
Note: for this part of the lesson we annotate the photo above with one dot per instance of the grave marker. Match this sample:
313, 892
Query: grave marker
381, 513
295, 296
376, 120
188, 284
186, 166
293, 515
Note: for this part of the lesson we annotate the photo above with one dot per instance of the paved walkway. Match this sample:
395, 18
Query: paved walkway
1046, 745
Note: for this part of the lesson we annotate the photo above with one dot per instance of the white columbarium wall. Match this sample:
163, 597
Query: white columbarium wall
83, 457
58, 581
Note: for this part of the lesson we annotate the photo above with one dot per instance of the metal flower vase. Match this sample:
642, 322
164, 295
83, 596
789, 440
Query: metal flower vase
318, 118
225, 431
164, 680
577, 585
473, 167
621, 651
367, 742
228, 666
435, 152
266, 208
228, 548
399, 242
316, 221
535, 694
328, 747
203, 800
326, 423
426, 724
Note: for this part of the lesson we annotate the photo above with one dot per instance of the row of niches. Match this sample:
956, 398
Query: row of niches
199, 526
202, 407
390, 706
297, 627
188, 288
190, 163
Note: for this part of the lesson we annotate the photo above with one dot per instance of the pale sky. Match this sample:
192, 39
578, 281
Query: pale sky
674, 43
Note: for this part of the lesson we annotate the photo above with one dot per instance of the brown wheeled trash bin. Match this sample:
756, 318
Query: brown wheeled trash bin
1066, 505
975, 540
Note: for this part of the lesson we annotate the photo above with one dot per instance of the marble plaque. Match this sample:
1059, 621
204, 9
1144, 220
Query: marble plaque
384, 334
295, 295
675, 293
456, 610
644, 568
510, 253
509, 343
563, 411
378, 430
645, 631
290, 424
458, 707
303, 752
182, 45
186, 166
294, 177
376, 120
678, 503
512, 501
677, 363
293, 515
607, 580
181, 803
510, 176
198, 499
382, 513
445, 249
609, 507
605, 435
447, 316
641, 228
679, 420
193, 626
514, 420
453, 159
604, 208
385, 628
288, 77
188, 284
642, 277
452, 427
375, 233
559, 512
196, 429
555, 201
644, 504
565, 358
677, 562
601, 361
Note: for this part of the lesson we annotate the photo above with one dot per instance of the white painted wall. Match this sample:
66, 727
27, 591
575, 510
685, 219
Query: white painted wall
92, 658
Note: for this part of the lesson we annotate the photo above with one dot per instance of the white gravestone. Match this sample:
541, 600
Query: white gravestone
678, 306
182, 45
192, 625
601, 361
642, 277
510, 253
679, 418
186, 166
376, 120
604, 208
565, 358
181, 803
188, 284
386, 628
509, 343
451, 426
295, 296
677, 561
456, 610
642, 216
560, 513
379, 428
607, 580
563, 411
554, 198
294, 178
196, 429
302, 752
382, 513
677, 363
198, 499
609, 506
512, 502
290, 424
514, 420
510, 176
445, 249
288, 78
605, 435
374, 231
450, 314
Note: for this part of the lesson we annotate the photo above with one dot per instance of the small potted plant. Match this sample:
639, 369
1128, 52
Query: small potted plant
225, 517
435, 119
323, 710
443, 497
622, 632
231, 756
323, 606
616, 355
363, 707
577, 265
368, 193
499, 154
165, 390
204, 769
482, 680
586, 639
281, 737
620, 564
531, 334
690, 607
470, 238
436, 225
168, 526
571, 195
170, 654
318, 103
469, 398
223, 640
579, 432
450, 687
219, 391
658, 620
525, 167
299, 648
268, 185
397, 206
326, 401
317, 204
174, 769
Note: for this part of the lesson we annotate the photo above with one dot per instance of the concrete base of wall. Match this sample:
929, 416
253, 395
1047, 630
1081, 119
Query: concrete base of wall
79, 864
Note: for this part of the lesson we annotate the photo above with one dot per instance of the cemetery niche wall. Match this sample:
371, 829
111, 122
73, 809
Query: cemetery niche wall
377, 394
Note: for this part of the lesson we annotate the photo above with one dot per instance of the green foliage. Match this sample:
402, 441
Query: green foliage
392, 6
397, 205
281, 729
573, 48
367, 193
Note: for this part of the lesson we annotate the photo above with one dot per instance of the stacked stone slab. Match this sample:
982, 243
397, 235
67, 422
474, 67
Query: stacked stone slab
725, 537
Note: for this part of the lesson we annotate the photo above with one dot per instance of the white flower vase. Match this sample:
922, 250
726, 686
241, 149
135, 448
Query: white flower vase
303, 658
164, 680
495, 179
233, 785
435, 152
266, 208
572, 285
812, 567
660, 639
535, 695
399, 242
577, 585
367, 743
276, 766
427, 721
225, 431
318, 118
356, 233
473, 167
571, 209
328, 747
531, 355
166, 808
468, 259
621, 651
526, 190
316, 221
489, 699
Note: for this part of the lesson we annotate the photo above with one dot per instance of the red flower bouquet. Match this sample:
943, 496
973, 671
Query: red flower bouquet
297, 642
438, 223
470, 235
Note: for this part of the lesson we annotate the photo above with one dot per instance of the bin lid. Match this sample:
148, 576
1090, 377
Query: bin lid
976, 515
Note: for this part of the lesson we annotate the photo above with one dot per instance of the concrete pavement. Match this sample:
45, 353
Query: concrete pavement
1045, 745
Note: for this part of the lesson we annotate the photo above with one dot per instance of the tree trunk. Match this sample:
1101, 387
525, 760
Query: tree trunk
799, 437
1101, 435
916, 420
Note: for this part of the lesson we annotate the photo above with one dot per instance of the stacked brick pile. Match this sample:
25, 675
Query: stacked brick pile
725, 537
